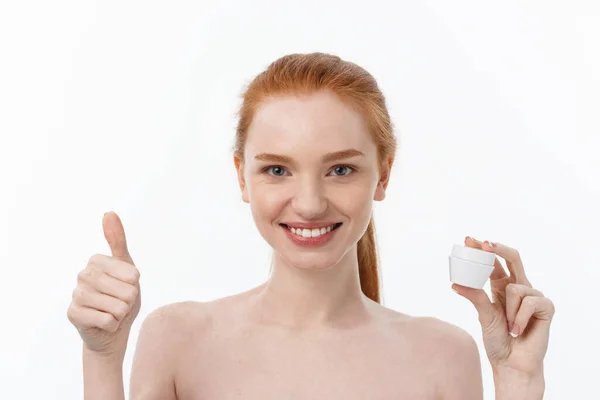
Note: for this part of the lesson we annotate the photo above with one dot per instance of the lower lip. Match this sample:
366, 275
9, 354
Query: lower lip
310, 241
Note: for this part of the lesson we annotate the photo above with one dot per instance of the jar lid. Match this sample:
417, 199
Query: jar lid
473, 255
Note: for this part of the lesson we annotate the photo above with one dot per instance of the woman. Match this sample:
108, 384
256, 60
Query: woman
314, 148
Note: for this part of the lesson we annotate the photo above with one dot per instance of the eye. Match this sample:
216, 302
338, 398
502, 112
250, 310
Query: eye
339, 170
277, 170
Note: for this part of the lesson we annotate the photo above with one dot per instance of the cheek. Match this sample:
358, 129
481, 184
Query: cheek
266, 199
354, 200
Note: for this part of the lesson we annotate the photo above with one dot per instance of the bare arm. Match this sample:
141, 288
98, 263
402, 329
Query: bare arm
105, 303
102, 377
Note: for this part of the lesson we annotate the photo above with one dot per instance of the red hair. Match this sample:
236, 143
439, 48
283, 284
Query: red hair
303, 74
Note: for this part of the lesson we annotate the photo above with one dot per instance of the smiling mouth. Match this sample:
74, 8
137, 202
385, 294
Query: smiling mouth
312, 232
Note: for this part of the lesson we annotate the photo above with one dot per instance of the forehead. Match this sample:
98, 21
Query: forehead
319, 122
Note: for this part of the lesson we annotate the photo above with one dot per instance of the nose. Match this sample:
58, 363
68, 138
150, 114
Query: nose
309, 200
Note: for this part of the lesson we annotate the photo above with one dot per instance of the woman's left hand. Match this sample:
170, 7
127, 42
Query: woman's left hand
516, 325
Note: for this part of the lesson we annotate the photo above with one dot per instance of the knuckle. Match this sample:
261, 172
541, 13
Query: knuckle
84, 275
512, 288
78, 294
132, 274
551, 306
121, 311
135, 274
529, 302
133, 293
107, 322
517, 254
71, 314
96, 259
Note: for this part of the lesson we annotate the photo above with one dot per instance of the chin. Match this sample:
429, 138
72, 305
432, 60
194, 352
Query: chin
311, 260
307, 262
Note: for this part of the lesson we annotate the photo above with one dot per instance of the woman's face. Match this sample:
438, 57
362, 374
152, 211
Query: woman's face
310, 161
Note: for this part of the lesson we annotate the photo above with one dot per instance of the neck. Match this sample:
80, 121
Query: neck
305, 298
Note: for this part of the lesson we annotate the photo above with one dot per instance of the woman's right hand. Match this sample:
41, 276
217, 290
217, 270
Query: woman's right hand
107, 299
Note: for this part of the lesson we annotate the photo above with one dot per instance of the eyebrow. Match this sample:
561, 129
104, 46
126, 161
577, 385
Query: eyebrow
337, 155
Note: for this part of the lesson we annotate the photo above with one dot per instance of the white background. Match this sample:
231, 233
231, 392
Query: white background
129, 106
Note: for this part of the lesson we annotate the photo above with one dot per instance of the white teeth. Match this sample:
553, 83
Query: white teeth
311, 232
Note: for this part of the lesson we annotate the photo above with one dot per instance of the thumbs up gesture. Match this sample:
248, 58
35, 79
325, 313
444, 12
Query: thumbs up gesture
107, 299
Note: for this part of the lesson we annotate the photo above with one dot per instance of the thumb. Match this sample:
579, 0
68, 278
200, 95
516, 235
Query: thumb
115, 236
481, 301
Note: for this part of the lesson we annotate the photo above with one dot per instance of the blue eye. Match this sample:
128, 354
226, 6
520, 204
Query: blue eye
277, 168
342, 168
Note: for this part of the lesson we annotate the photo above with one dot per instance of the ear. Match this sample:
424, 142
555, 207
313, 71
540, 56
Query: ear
384, 178
239, 166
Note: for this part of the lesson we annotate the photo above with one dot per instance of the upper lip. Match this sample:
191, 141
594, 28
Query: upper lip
310, 225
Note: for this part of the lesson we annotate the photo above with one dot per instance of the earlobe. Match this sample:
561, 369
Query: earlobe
379, 192
245, 195
239, 166
383, 181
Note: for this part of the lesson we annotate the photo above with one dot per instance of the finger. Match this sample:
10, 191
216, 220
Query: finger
116, 268
513, 262
109, 285
541, 308
515, 294
115, 236
481, 301
498, 277
85, 318
498, 272
498, 289
85, 297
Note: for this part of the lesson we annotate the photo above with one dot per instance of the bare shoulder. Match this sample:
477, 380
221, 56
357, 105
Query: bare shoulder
445, 353
179, 320
454, 338
446, 339
449, 351
176, 315
166, 330
163, 338
181, 311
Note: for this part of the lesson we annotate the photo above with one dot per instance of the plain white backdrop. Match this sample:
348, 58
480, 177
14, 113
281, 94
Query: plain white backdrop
129, 106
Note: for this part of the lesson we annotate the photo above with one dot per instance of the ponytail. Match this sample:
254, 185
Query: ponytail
367, 263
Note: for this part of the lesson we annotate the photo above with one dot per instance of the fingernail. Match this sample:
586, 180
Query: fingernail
456, 291
510, 326
492, 244
514, 332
